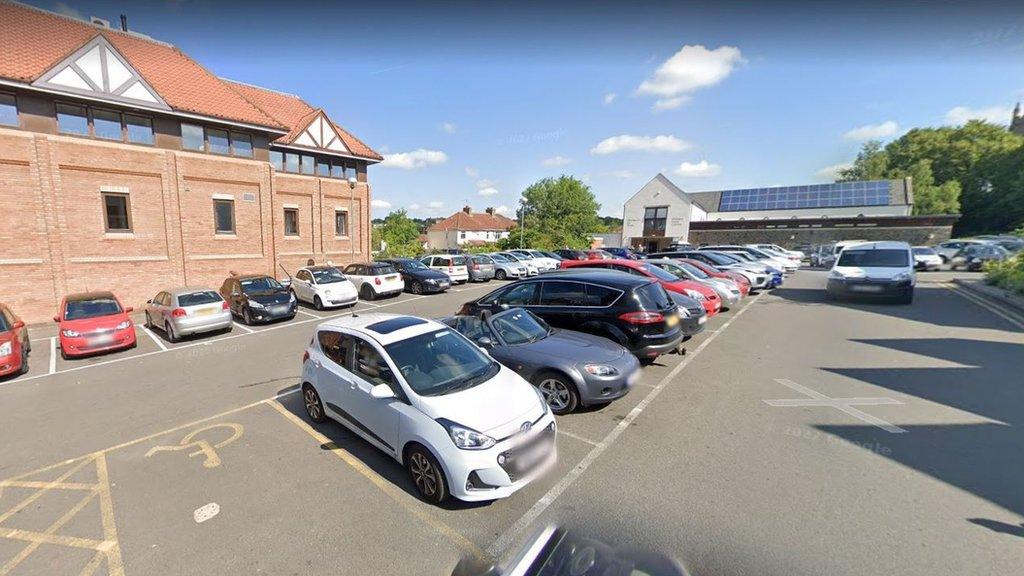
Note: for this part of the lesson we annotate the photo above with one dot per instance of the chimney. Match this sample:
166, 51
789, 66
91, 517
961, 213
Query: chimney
467, 209
124, 23
490, 210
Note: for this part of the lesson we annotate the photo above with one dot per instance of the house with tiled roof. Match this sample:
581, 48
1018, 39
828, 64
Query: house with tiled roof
127, 165
468, 228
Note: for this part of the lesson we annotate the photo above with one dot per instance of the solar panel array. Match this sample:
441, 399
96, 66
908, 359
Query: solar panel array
837, 195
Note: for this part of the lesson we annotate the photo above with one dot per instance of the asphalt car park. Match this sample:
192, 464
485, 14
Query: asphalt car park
196, 457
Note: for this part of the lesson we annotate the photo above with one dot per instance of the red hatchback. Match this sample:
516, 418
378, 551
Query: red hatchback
704, 294
92, 322
740, 280
14, 343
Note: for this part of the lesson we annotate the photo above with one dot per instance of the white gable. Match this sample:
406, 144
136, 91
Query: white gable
98, 70
320, 133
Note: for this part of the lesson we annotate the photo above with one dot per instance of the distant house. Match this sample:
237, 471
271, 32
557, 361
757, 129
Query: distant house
468, 228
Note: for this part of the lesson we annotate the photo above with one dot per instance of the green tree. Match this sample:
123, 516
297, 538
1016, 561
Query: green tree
872, 163
560, 212
400, 235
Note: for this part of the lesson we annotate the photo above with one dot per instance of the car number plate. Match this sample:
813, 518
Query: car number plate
101, 339
206, 311
391, 278
672, 320
865, 288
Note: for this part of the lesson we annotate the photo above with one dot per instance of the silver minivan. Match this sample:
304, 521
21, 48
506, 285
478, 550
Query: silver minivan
188, 310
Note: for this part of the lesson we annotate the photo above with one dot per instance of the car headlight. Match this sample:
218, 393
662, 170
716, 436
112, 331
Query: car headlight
694, 294
123, 325
291, 296
901, 277
601, 369
255, 304
5, 349
431, 280
70, 333
327, 292
466, 438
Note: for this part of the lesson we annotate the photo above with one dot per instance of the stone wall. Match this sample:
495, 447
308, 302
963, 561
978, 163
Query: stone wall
789, 237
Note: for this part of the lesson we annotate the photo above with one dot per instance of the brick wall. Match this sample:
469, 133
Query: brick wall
53, 239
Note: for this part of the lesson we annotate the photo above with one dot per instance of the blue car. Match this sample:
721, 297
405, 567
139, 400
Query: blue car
776, 275
624, 253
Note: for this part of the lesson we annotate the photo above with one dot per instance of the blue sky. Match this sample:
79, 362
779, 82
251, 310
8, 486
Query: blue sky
476, 100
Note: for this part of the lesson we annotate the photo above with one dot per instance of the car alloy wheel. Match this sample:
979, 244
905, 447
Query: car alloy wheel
500, 275
367, 293
24, 361
427, 475
169, 330
314, 408
560, 396
247, 316
149, 321
416, 287
318, 303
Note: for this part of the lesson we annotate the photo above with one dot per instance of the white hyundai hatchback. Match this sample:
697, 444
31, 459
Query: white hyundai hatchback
461, 423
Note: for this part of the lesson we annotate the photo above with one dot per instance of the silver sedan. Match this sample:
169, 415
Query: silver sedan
188, 310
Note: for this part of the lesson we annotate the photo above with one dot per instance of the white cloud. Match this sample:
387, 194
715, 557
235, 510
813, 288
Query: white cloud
622, 173
832, 172
488, 191
484, 183
471, 172
70, 11
670, 103
609, 98
380, 204
502, 209
873, 131
625, 142
436, 204
449, 127
419, 158
555, 161
700, 169
689, 70
993, 114
413, 207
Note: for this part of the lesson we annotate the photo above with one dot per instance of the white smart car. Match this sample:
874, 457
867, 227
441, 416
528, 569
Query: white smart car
323, 287
461, 423
375, 279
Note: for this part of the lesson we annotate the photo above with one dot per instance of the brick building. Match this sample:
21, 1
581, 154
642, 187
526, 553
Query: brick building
125, 165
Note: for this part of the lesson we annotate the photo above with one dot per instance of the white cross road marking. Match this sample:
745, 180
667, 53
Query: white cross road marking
843, 404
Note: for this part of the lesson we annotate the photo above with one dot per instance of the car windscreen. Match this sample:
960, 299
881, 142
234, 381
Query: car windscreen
413, 265
652, 297
880, 258
92, 308
519, 327
327, 275
663, 275
482, 259
197, 298
722, 259
500, 258
440, 362
264, 284
697, 272
381, 269
4, 326
924, 251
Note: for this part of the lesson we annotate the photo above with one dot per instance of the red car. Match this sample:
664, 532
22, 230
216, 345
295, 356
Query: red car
704, 294
92, 322
598, 255
14, 343
740, 280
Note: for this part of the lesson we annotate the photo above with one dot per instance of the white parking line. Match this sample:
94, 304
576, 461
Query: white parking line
577, 437
243, 327
153, 338
304, 313
506, 538
53, 354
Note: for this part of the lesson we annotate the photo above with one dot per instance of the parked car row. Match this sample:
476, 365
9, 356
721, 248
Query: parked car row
965, 253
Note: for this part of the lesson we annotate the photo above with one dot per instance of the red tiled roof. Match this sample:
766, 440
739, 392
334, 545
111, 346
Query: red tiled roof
33, 41
296, 114
473, 221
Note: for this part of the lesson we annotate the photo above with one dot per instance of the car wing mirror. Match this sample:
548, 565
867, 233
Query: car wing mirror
56, 318
129, 310
150, 301
18, 325
485, 341
382, 392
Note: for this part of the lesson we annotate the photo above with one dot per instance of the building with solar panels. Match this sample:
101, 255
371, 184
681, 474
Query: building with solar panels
661, 213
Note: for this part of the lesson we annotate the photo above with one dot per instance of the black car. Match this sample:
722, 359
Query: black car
630, 310
258, 298
567, 254
693, 316
418, 278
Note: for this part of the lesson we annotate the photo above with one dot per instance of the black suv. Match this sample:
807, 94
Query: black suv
417, 277
258, 298
631, 310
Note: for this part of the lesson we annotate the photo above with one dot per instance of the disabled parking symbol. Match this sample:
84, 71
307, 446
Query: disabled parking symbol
203, 446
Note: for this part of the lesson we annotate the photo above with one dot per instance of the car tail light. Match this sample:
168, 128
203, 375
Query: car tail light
224, 305
179, 312
451, 269
642, 317
376, 281
305, 356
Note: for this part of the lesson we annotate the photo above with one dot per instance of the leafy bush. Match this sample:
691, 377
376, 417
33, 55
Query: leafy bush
1008, 274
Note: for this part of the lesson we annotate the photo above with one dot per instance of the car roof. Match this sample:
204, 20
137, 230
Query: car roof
249, 276
319, 267
189, 290
614, 278
384, 328
882, 245
79, 296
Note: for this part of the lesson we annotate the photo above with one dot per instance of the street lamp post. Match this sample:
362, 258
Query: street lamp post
522, 221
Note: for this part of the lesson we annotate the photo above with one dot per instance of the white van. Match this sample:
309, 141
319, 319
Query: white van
876, 269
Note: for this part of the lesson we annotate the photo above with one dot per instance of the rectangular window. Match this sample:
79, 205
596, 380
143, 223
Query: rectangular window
224, 216
140, 130
351, 171
192, 137
291, 222
655, 220
241, 144
308, 164
277, 159
218, 141
337, 169
323, 168
8, 110
106, 124
291, 162
117, 212
72, 119
340, 223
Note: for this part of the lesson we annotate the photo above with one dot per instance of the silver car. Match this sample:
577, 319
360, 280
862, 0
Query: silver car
507, 268
186, 311
727, 290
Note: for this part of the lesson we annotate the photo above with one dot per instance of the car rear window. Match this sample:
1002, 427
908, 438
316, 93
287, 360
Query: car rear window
381, 269
881, 258
93, 308
196, 298
482, 259
924, 251
652, 297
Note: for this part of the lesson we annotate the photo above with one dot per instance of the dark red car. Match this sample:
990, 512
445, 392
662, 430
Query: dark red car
14, 343
92, 322
704, 294
740, 280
